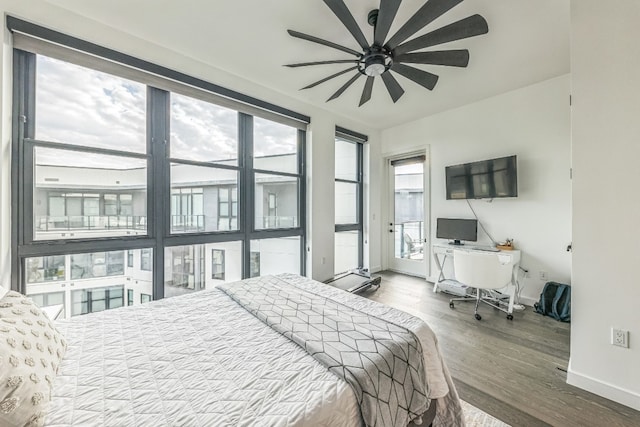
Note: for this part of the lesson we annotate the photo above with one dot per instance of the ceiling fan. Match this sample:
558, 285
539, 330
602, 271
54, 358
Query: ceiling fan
380, 58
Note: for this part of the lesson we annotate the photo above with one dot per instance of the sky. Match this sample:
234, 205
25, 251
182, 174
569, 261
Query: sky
79, 106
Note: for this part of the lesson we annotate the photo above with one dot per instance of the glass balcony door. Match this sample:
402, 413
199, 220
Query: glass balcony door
408, 243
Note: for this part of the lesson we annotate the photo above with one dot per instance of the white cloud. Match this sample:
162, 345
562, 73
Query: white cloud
80, 106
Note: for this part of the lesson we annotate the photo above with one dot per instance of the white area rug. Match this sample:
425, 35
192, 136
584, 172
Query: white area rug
475, 417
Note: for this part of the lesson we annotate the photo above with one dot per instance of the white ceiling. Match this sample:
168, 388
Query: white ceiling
528, 42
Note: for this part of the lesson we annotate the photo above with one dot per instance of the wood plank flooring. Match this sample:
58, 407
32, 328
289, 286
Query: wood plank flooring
513, 370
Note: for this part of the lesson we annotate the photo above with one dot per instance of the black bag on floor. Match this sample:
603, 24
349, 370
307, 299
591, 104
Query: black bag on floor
555, 301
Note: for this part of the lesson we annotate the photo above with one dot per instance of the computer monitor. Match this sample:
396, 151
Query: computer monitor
457, 230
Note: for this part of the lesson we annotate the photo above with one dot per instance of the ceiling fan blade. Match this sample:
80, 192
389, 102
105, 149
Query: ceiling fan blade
338, 61
468, 27
339, 73
452, 58
423, 78
394, 88
342, 12
344, 87
431, 10
366, 92
386, 15
322, 42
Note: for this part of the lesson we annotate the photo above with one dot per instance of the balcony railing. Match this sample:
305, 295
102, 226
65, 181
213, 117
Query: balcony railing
187, 223
279, 222
91, 222
410, 239
183, 223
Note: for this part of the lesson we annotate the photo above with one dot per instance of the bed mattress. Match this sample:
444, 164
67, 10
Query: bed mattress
203, 360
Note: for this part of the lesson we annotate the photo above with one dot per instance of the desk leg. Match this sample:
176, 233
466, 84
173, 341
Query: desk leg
440, 266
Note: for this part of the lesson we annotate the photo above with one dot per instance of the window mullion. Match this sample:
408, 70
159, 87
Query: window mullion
247, 190
158, 181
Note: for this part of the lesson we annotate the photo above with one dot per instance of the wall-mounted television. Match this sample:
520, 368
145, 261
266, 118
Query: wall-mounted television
486, 179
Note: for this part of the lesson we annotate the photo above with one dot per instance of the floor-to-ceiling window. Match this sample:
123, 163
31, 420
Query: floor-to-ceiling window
348, 253
128, 184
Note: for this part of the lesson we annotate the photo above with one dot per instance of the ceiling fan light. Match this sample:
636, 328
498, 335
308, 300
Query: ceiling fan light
374, 70
374, 65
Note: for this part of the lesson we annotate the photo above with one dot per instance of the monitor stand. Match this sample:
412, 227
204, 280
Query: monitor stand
456, 242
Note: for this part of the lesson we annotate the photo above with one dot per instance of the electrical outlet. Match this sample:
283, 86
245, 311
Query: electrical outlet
620, 337
543, 275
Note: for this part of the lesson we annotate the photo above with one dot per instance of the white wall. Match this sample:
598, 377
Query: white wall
533, 123
606, 205
320, 137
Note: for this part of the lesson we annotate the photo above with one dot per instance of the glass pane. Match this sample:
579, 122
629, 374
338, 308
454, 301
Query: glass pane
203, 131
199, 207
281, 192
80, 106
89, 282
275, 146
274, 256
191, 268
62, 214
346, 251
45, 269
346, 160
346, 203
409, 211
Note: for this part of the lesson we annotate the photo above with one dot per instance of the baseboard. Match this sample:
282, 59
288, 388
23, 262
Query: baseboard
528, 301
601, 388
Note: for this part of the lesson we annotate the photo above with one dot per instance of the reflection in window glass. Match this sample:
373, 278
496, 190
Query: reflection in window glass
276, 201
146, 261
129, 296
80, 106
217, 264
145, 298
93, 300
97, 264
45, 269
193, 268
203, 131
96, 207
203, 199
346, 203
48, 299
346, 160
274, 256
346, 251
275, 146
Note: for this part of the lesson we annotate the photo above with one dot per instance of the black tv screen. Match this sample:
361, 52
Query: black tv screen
486, 179
455, 229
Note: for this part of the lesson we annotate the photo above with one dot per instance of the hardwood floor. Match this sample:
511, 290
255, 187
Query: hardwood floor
513, 370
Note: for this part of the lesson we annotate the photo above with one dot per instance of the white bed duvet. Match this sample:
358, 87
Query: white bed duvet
203, 360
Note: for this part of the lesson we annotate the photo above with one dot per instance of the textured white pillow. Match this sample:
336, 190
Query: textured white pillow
31, 349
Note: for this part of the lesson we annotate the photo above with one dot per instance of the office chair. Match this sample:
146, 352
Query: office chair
485, 272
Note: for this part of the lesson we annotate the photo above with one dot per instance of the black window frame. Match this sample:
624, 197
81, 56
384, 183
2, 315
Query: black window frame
359, 140
158, 235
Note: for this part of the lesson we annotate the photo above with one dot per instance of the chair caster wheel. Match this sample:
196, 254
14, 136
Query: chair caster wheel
509, 316
451, 304
478, 317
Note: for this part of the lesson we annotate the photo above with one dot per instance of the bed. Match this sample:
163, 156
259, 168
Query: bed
204, 360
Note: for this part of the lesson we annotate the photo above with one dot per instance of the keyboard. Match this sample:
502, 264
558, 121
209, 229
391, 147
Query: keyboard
485, 248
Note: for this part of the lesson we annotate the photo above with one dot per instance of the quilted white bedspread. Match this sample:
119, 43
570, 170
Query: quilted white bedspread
203, 360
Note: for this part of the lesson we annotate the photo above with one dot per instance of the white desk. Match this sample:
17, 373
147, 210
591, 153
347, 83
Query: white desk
444, 251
